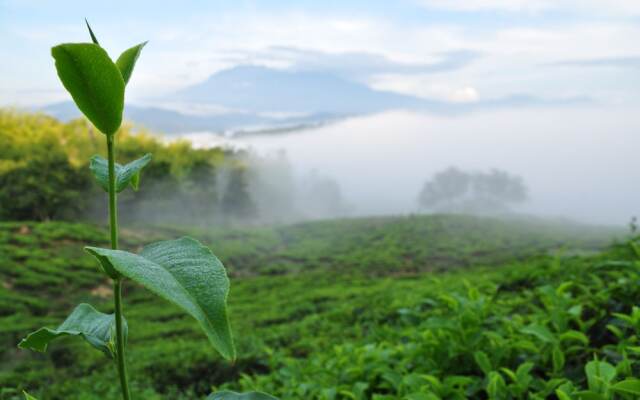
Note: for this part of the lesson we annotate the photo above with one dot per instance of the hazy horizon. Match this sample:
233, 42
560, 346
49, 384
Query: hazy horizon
544, 90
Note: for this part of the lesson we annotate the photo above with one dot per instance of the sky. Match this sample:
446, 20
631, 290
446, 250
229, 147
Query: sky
579, 157
454, 50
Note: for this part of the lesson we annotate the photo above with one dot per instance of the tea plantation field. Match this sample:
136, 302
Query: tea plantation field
429, 307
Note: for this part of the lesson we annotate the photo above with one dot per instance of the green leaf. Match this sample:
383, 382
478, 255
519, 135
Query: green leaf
97, 328
185, 273
599, 373
496, 387
227, 395
573, 335
94, 82
27, 396
93, 37
483, 362
558, 359
127, 61
562, 395
627, 386
589, 395
539, 331
523, 370
125, 175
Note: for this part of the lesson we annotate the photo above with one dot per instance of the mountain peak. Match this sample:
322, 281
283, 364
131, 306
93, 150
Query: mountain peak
256, 88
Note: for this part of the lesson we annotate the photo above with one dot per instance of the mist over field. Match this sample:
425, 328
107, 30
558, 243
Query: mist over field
578, 162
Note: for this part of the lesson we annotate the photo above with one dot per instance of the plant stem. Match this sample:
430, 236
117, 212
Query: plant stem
117, 285
122, 366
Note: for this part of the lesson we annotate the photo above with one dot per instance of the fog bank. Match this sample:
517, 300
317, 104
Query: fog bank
579, 163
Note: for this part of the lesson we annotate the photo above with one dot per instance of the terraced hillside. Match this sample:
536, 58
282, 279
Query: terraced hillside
353, 309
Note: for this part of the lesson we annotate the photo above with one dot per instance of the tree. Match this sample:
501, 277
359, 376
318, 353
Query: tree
497, 189
199, 192
445, 189
237, 203
321, 197
453, 190
272, 185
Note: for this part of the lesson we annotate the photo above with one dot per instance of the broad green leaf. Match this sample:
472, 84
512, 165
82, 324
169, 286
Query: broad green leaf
562, 395
523, 370
539, 331
589, 395
185, 273
94, 82
125, 175
93, 37
97, 328
496, 386
599, 373
127, 61
227, 395
27, 396
628, 386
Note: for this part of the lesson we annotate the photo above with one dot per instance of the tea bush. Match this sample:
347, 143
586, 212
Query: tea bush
330, 332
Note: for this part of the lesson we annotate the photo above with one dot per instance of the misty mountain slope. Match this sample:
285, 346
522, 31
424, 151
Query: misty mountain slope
262, 89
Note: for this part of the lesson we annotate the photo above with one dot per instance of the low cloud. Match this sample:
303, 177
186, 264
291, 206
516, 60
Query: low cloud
618, 62
355, 63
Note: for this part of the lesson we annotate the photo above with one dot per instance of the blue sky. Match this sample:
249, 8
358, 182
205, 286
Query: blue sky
489, 49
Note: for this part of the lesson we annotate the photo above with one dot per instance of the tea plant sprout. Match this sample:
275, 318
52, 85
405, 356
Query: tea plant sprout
182, 271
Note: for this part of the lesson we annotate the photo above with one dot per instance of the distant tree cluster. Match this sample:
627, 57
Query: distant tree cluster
454, 190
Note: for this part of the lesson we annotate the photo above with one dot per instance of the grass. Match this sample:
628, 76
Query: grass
382, 308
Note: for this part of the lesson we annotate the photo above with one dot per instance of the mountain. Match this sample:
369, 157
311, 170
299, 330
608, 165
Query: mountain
267, 100
262, 89
173, 122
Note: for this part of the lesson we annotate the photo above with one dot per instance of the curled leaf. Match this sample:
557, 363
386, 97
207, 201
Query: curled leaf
126, 175
127, 61
185, 273
97, 328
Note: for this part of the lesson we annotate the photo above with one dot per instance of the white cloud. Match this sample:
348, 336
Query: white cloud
479, 5
599, 7
466, 94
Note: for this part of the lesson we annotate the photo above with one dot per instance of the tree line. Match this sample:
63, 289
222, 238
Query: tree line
44, 175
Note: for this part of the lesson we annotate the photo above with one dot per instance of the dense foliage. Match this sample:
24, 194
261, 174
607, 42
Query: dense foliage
44, 172
339, 325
